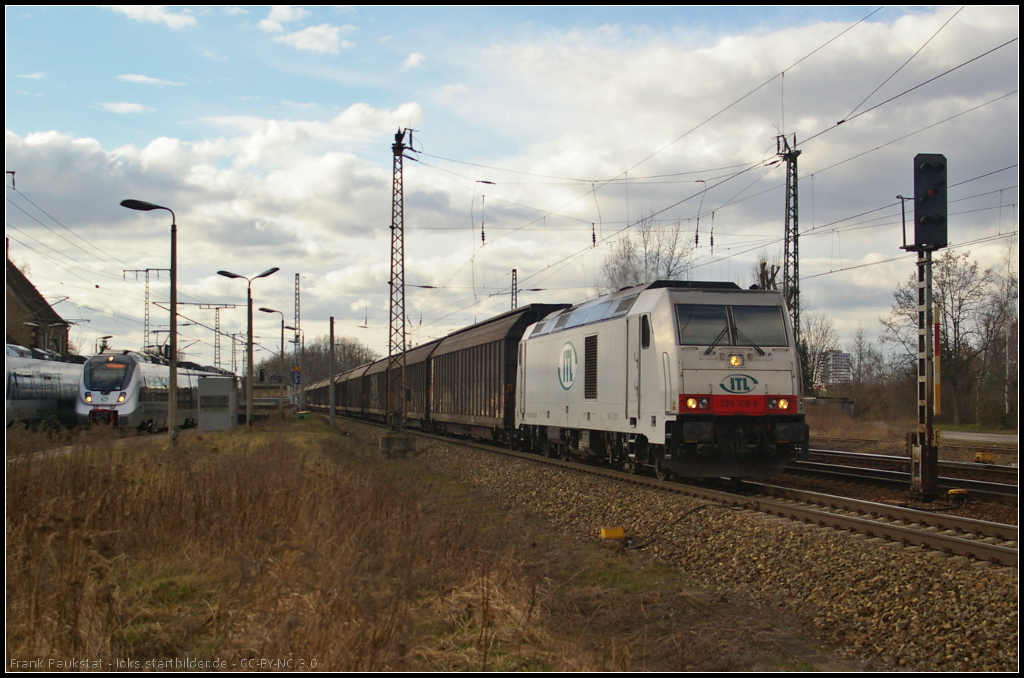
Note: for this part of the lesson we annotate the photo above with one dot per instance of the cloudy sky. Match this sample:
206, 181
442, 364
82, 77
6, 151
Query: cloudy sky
268, 131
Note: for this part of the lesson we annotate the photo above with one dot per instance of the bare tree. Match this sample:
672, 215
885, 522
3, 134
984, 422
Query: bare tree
646, 253
348, 353
818, 337
765, 270
964, 294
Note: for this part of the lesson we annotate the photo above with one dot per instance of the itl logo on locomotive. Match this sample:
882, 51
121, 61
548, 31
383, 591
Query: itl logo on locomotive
567, 366
738, 383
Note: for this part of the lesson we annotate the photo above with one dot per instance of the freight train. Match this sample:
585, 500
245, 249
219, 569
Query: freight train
685, 378
127, 389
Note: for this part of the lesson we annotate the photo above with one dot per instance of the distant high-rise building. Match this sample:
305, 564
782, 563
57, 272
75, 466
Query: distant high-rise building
838, 368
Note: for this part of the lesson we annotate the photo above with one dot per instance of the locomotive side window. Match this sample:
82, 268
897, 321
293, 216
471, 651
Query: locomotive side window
703, 324
645, 332
624, 306
759, 325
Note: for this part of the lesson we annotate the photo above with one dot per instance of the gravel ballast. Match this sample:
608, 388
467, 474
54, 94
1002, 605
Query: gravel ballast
876, 602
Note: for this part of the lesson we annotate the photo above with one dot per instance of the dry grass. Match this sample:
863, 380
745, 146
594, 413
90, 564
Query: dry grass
260, 547
295, 547
830, 422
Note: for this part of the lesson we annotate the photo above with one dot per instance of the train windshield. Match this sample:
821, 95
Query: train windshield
702, 324
107, 375
720, 325
759, 325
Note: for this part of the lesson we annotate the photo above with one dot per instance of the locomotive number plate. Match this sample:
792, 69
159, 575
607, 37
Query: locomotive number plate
738, 404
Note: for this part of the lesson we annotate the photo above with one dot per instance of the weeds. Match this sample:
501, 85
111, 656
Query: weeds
246, 549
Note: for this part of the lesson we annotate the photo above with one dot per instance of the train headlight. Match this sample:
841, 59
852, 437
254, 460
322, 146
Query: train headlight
121, 397
778, 404
735, 360
696, 403
88, 397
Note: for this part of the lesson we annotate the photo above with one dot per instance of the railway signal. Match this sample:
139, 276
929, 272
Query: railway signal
930, 201
930, 234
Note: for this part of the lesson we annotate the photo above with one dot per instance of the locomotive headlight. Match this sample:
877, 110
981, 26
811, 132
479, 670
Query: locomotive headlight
783, 404
88, 397
778, 404
735, 360
696, 403
121, 397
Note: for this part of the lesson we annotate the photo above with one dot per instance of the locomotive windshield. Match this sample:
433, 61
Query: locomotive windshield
702, 324
720, 325
759, 325
107, 375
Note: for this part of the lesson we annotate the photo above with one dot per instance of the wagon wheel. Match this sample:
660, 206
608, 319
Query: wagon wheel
631, 466
545, 448
563, 453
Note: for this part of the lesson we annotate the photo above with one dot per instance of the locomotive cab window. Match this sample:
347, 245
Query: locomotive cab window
720, 325
645, 332
703, 324
759, 326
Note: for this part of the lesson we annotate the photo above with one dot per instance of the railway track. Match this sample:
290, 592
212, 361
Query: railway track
981, 540
1003, 493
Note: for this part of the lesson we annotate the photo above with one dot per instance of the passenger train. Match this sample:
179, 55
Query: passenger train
130, 390
695, 379
40, 390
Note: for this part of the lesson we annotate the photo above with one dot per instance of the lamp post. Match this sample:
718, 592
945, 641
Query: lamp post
248, 378
299, 348
172, 395
280, 363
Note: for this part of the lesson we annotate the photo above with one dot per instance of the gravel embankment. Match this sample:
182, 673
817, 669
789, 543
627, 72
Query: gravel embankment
876, 602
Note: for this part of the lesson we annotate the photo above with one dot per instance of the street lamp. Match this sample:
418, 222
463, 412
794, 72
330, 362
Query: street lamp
172, 395
248, 379
280, 363
299, 349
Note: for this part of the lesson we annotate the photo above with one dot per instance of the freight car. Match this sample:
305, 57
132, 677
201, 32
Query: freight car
130, 390
697, 379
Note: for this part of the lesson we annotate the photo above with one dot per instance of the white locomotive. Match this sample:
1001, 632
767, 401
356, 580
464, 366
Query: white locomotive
699, 379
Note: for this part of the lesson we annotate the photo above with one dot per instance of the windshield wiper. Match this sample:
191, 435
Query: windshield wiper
740, 335
725, 331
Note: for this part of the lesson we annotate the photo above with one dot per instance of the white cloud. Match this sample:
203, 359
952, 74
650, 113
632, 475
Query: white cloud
145, 79
448, 91
33, 76
322, 39
155, 14
126, 108
312, 195
414, 60
281, 14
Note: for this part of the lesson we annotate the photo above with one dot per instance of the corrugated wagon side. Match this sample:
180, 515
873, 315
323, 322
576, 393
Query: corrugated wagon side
473, 375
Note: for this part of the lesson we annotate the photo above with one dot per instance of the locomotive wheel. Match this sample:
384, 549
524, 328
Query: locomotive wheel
563, 453
660, 472
545, 449
631, 467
